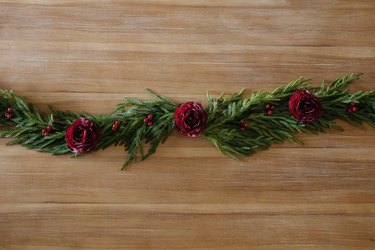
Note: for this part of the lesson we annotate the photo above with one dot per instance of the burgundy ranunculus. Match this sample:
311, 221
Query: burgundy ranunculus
305, 106
82, 135
190, 118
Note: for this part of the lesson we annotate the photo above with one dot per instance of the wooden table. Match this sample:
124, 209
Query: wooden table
88, 55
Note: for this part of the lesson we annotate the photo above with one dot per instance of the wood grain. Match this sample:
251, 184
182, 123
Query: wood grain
88, 55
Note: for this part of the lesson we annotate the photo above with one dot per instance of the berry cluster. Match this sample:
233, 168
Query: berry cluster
244, 125
269, 107
148, 120
116, 125
9, 114
47, 131
352, 107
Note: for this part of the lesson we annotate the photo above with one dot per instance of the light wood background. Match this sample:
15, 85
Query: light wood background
88, 55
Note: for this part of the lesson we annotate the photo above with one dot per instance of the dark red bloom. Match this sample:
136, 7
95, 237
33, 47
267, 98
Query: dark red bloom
305, 106
82, 135
190, 118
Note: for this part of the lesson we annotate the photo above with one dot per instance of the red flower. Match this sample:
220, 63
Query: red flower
190, 118
305, 106
82, 135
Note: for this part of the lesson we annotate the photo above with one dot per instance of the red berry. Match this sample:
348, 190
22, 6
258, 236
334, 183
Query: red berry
269, 112
145, 120
49, 128
242, 129
149, 116
350, 110
355, 109
353, 104
46, 133
114, 127
149, 123
10, 110
268, 106
8, 115
242, 122
247, 125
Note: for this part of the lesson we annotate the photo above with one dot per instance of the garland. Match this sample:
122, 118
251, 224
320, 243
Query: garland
237, 125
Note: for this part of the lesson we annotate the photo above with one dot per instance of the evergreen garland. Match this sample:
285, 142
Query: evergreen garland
237, 125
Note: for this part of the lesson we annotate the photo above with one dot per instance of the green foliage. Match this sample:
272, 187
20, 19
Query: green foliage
135, 134
27, 124
226, 115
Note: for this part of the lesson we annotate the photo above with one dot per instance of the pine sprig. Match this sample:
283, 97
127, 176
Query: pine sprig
342, 83
291, 87
136, 134
26, 125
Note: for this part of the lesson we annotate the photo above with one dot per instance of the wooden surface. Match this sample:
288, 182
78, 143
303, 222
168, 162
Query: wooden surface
88, 55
